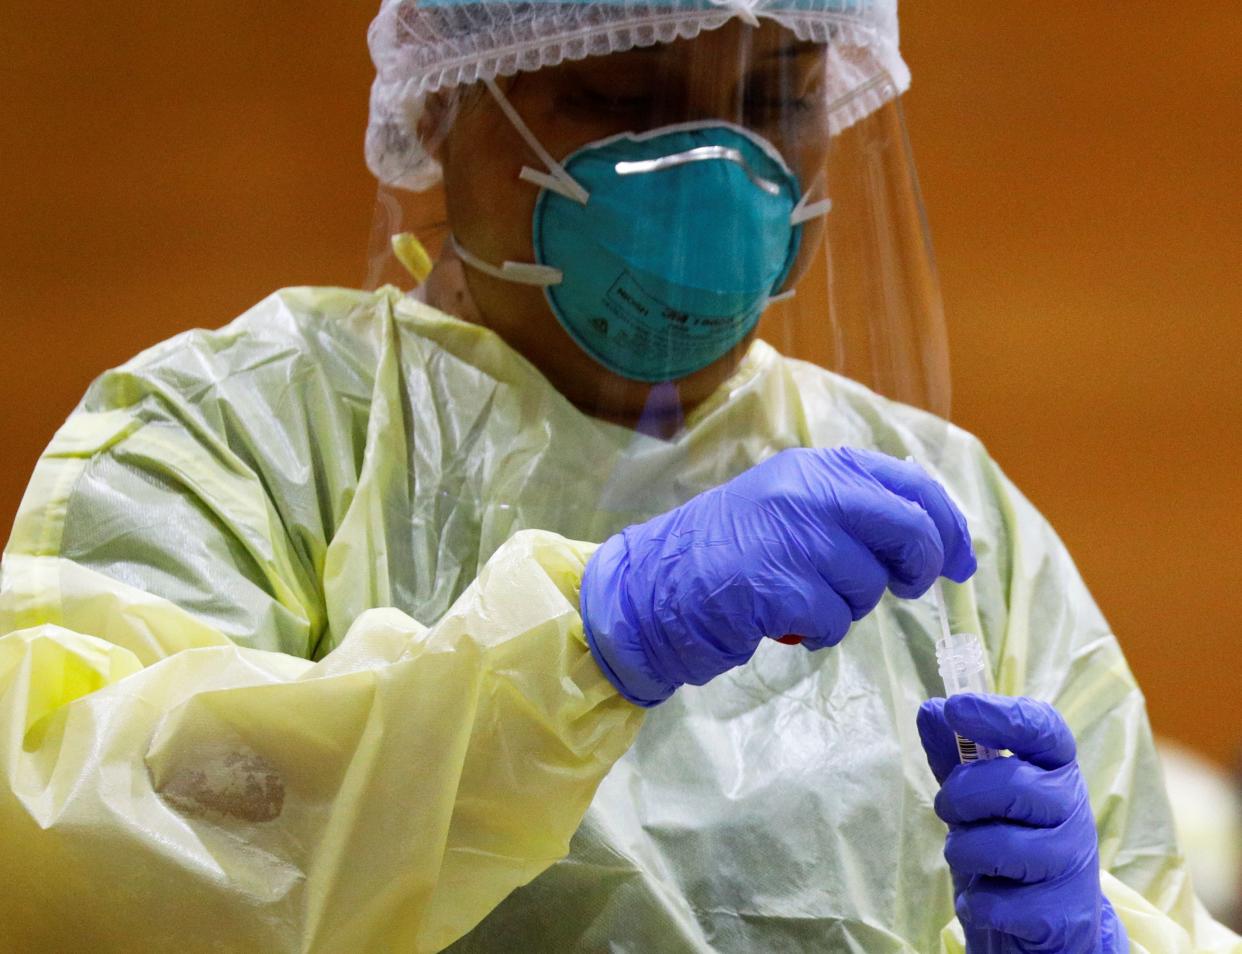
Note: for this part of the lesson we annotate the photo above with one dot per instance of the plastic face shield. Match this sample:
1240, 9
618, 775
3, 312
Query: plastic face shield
859, 296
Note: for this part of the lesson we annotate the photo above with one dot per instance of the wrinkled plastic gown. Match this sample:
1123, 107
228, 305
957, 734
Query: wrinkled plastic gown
336, 469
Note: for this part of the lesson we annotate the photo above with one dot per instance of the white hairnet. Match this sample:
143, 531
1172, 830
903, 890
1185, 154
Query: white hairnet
422, 47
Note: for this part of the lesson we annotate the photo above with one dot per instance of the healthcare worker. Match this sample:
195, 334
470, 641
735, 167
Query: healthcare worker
554, 606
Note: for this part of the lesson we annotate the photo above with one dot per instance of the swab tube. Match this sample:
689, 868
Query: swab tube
964, 668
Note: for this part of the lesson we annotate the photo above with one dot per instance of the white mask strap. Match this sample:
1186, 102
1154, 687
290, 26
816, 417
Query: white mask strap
523, 273
805, 211
559, 180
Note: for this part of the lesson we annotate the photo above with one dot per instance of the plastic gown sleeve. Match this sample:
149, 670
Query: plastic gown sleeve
1055, 645
165, 789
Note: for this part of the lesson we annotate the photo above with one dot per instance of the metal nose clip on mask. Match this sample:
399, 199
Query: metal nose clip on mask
658, 251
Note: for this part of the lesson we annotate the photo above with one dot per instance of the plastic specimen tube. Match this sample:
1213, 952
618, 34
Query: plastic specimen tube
963, 667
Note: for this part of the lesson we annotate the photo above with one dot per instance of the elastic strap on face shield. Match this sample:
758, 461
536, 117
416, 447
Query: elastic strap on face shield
559, 181
523, 273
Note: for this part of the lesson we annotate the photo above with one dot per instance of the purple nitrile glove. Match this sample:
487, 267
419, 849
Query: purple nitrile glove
1022, 844
804, 543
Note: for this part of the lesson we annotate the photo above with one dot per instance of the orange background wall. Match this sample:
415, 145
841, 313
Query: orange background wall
163, 166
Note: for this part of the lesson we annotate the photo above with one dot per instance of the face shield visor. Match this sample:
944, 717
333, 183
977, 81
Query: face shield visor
633, 214
650, 206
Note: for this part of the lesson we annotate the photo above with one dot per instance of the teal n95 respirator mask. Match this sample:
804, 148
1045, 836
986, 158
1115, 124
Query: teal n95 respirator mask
658, 251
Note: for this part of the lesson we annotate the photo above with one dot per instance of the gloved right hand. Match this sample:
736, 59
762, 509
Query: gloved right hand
804, 543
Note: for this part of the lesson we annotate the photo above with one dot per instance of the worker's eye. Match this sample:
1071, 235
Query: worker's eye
778, 99
614, 101
764, 110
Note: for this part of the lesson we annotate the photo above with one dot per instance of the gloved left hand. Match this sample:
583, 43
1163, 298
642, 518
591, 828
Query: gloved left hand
1022, 844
